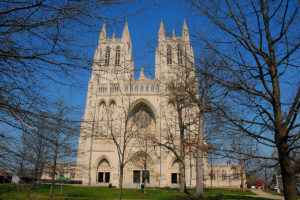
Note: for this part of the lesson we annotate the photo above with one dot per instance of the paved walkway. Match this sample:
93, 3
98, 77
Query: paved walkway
263, 194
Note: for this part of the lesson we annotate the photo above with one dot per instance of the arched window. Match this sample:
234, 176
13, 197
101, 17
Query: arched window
224, 176
212, 176
179, 55
101, 118
117, 60
169, 55
112, 106
107, 56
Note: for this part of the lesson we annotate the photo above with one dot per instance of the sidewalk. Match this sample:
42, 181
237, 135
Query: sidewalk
263, 194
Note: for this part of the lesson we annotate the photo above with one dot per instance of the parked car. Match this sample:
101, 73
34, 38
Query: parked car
298, 188
273, 187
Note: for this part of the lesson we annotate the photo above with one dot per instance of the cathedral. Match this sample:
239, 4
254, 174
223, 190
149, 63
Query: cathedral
127, 120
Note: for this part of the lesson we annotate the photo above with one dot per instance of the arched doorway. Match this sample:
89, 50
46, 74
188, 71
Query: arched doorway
174, 178
142, 123
142, 167
103, 172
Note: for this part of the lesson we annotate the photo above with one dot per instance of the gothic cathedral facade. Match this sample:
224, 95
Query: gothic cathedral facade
128, 121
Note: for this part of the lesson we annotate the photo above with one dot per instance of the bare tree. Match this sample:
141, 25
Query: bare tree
145, 141
209, 97
38, 149
41, 47
182, 116
259, 44
38, 47
123, 129
61, 141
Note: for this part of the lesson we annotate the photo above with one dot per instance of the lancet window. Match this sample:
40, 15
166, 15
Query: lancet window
179, 55
107, 56
169, 55
117, 60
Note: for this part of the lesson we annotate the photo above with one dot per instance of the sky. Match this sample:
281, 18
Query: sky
143, 28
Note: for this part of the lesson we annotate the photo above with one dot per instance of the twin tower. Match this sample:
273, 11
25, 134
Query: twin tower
113, 57
114, 94
120, 105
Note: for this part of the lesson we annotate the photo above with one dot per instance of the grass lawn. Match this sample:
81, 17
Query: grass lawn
12, 192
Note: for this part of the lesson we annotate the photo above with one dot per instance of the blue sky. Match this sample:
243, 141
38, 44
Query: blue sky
143, 29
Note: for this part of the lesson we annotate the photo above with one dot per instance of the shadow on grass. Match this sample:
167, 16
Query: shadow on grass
242, 197
41, 192
220, 197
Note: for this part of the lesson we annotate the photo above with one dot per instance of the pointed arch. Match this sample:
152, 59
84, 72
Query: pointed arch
103, 170
102, 160
145, 103
112, 102
174, 162
139, 157
101, 102
112, 106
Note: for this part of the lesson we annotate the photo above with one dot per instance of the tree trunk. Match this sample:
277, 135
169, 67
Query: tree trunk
181, 176
121, 182
199, 159
145, 190
242, 178
288, 176
145, 175
277, 183
182, 187
53, 171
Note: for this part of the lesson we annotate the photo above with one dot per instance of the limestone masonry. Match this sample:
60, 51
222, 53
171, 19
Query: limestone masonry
138, 113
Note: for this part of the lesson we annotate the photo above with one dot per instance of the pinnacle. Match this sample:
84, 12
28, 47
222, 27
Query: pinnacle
126, 31
103, 32
161, 27
184, 25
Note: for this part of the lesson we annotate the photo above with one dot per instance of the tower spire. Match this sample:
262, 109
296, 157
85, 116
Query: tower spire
161, 32
185, 26
185, 32
125, 33
103, 33
161, 28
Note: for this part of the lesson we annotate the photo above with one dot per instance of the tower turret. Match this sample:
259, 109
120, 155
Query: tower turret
126, 34
161, 32
102, 33
185, 33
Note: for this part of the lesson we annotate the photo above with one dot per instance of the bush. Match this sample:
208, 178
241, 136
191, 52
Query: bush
200, 197
219, 195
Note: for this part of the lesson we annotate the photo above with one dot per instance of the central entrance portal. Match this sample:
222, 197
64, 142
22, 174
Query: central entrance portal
139, 177
103, 171
103, 177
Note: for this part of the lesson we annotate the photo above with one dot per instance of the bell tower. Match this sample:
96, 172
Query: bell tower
113, 56
172, 52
